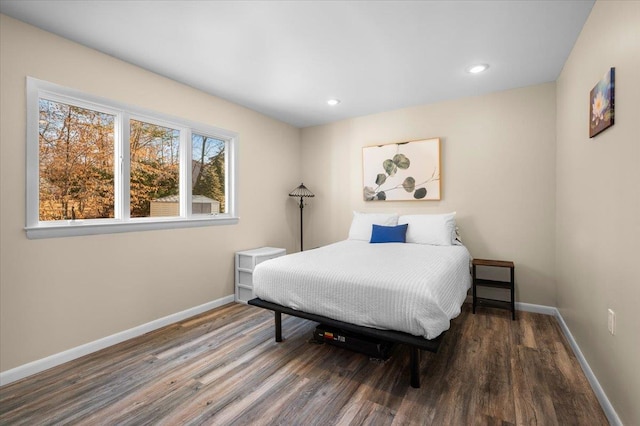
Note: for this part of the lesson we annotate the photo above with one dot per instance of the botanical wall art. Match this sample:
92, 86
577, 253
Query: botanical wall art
601, 102
402, 171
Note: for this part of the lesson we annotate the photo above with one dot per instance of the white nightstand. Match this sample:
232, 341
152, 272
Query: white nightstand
246, 261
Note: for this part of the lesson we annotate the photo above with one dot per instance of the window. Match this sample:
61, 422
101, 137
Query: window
154, 153
97, 166
76, 157
207, 174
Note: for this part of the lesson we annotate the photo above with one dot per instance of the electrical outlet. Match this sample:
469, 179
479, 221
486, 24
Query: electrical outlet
612, 322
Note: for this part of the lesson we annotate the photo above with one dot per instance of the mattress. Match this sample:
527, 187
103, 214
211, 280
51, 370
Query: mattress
413, 288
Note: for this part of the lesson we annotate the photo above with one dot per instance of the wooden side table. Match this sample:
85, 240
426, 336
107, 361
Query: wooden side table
510, 285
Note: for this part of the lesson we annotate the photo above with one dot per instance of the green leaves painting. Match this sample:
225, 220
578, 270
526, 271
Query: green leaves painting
389, 167
409, 184
402, 171
401, 161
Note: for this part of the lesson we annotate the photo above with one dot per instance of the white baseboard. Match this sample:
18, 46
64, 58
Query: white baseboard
537, 309
608, 409
43, 364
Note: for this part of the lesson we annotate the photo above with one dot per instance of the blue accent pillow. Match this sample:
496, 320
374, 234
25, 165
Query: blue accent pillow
389, 234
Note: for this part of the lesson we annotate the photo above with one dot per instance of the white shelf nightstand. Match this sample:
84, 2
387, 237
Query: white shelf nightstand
246, 261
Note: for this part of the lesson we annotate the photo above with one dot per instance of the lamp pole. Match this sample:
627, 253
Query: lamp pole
301, 207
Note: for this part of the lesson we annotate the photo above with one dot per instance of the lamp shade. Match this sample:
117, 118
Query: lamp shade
301, 191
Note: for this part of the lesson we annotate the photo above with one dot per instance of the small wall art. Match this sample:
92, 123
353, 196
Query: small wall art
601, 104
402, 171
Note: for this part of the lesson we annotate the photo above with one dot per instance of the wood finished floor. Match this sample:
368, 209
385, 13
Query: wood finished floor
224, 368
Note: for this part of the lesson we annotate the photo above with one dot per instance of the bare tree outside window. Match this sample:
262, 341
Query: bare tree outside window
155, 169
208, 173
76, 147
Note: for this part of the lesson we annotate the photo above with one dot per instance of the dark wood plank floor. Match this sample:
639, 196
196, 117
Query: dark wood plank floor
223, 367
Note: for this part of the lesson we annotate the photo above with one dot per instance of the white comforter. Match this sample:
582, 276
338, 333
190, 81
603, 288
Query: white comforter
413, 288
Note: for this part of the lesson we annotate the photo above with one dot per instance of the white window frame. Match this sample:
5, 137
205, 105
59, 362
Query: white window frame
37, 89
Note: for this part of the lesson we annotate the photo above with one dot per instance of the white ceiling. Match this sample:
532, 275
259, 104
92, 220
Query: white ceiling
286, 58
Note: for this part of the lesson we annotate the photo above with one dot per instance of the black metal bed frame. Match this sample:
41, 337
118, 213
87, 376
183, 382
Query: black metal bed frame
415, 343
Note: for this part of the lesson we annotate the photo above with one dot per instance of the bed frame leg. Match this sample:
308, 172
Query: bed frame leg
278, 317
415, 367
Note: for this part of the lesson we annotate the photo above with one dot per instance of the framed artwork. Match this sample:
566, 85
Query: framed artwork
402, 171
601, 103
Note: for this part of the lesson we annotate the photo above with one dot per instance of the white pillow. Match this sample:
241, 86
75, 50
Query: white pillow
362, 224
432, 229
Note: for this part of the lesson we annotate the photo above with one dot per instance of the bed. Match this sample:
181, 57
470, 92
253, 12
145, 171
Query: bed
400, 292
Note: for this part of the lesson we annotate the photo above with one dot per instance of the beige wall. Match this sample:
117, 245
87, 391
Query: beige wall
598, 203
498, 173
56, 294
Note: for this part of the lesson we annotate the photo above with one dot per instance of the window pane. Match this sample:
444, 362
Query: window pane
155, 170
75, 162
207, 175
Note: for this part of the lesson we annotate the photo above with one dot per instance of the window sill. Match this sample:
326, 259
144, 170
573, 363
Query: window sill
76, 228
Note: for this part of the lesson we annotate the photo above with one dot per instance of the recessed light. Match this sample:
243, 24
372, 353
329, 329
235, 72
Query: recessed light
475, 69
333, 102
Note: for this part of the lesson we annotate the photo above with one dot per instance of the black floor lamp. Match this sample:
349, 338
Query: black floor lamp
301, 192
